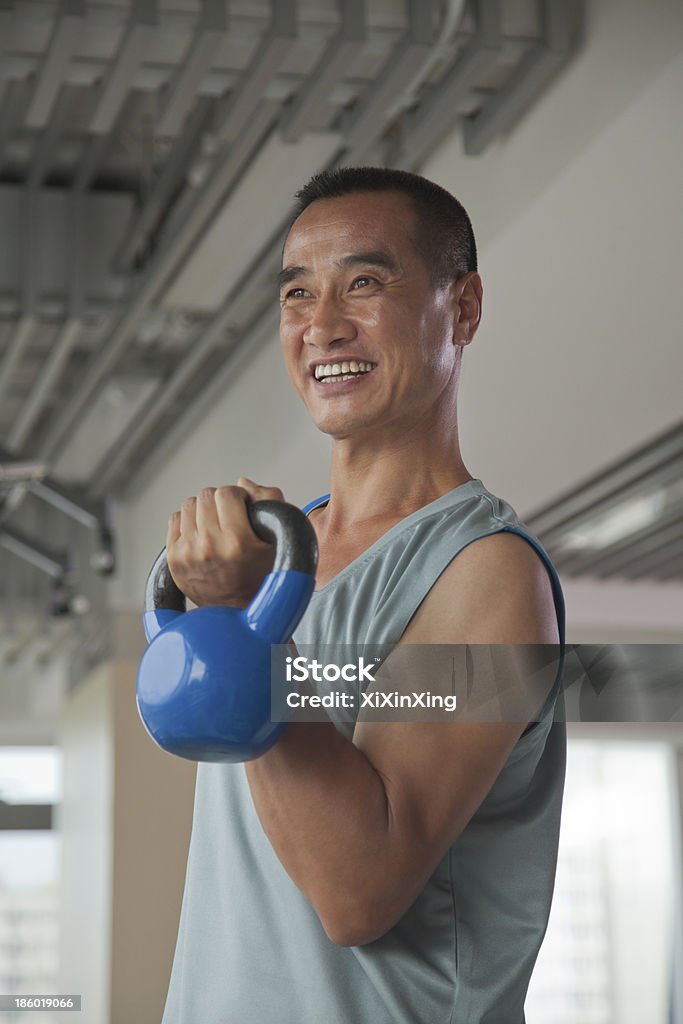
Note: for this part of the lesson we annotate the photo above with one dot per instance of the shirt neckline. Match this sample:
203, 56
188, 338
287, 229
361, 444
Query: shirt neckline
452, 497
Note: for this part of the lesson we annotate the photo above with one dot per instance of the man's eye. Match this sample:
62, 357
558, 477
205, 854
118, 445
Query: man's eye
295, 293
362, 282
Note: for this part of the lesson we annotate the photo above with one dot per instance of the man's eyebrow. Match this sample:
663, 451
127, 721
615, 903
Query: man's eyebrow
289, 274
371, 258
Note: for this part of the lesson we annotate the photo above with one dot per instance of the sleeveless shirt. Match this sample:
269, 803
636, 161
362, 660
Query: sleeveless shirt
251, 948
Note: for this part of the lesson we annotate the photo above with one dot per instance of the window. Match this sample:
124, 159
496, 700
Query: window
607, 952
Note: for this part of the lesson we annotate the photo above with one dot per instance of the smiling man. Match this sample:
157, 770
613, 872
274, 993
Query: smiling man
373, 872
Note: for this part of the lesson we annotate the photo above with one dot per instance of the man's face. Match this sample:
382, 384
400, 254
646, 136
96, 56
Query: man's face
354, 290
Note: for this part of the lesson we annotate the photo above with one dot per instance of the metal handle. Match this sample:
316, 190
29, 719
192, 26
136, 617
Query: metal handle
275, 522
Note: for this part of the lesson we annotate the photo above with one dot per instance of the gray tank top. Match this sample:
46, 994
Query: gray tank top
251, 948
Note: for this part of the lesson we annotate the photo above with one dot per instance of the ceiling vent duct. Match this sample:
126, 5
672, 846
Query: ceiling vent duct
625, 522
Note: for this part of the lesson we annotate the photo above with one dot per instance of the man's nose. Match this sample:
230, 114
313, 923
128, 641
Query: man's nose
327, 324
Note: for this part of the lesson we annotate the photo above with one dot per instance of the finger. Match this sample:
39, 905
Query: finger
230, 503
173, 532
188, 518
258, 492
205, 512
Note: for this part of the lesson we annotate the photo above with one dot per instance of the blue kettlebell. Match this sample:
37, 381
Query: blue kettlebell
203, 685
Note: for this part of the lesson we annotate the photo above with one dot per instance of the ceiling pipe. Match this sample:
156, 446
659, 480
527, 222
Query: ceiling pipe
21, 337
362, 125
114, 87
172, 175
304, 111
539, 65
69, 334
69, 25
228, 166
210, 32
453, 15
424, 126
52, 563
274, 47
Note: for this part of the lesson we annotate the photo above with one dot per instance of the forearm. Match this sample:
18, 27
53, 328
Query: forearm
324, 809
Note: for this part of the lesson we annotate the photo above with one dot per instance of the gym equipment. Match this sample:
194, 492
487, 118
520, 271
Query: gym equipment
203, 685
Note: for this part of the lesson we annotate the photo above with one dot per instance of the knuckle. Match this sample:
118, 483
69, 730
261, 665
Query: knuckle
189, 503
229, 491
204, 551
207, 493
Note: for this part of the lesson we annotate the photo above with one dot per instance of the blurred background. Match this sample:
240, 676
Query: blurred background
149, 152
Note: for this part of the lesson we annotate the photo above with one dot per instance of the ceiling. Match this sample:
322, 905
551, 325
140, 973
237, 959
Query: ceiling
136, 141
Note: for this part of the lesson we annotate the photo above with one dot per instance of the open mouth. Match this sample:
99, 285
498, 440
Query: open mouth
335, 373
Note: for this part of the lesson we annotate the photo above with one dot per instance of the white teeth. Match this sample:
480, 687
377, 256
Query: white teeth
329, 370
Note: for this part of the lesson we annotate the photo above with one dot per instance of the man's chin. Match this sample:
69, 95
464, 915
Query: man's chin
340, 426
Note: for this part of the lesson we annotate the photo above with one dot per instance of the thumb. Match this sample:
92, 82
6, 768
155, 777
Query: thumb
257, 492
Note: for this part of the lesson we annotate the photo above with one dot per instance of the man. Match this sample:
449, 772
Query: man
382, 872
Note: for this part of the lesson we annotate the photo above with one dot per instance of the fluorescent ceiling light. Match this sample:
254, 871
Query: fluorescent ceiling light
615, 524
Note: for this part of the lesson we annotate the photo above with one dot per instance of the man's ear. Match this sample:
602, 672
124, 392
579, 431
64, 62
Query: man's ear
468, 293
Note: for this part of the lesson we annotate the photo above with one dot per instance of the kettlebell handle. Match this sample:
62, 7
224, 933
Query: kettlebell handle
275, 522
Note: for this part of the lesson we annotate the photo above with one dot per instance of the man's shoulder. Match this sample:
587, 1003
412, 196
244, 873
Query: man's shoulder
497, 590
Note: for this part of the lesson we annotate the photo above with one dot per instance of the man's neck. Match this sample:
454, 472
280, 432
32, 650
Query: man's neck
372, 484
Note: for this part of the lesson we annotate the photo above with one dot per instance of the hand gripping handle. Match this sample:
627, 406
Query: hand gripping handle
275, 522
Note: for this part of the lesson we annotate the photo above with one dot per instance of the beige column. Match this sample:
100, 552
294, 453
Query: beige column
125, 823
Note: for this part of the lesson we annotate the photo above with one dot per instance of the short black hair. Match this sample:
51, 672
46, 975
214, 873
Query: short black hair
444, 238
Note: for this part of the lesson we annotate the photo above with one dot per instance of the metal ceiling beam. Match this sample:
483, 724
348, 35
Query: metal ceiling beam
50, 373
182, 92
11, 112
228, 166
673, 569
44, 155
32, 477
635, 556
16, 347
67, 339
80, 509
657, 477
426, 125
249, 344
246, 96
116, 83
538, 67
95, 150
651, 566
636, 470
174, 171
66, 37
115, 464
20, 339
364, 124
304, 112
40, 556
578, 561
198, 349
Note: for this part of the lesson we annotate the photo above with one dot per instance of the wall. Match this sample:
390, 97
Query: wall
84, 820
125, 826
